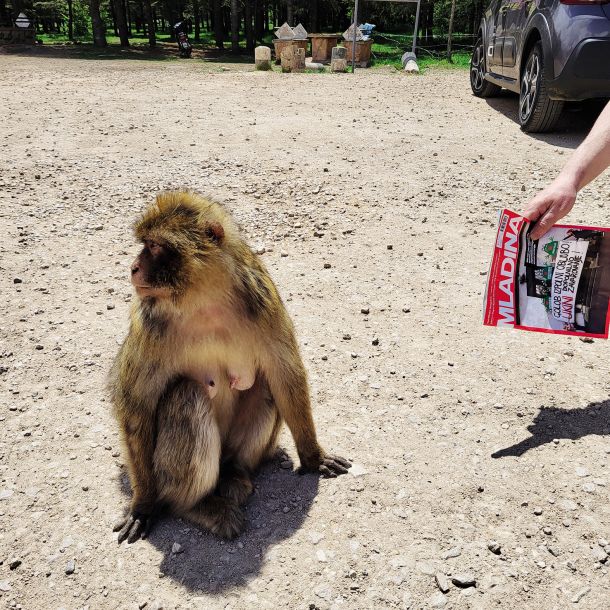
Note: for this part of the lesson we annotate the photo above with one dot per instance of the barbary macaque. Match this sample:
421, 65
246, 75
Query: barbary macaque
208, 372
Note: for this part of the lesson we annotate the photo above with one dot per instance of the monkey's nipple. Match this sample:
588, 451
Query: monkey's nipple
210, 386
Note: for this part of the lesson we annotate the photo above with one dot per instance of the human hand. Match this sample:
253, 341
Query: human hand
549, 206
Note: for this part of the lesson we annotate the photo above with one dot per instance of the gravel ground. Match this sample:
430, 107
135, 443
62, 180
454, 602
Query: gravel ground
480, 455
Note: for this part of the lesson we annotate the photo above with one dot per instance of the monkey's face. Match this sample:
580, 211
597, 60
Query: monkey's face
182, 249
156, 272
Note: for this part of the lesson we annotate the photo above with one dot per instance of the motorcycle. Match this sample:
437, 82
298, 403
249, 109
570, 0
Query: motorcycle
184, 46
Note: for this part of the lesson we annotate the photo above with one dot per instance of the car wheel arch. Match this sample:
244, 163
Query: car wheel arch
537, 31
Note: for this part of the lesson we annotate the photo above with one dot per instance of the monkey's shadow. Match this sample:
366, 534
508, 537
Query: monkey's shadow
207, 564
553, 422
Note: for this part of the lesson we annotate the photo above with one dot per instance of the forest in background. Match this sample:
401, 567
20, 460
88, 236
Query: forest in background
238, 25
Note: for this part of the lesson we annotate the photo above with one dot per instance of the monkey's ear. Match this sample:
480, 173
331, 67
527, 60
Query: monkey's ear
215, 232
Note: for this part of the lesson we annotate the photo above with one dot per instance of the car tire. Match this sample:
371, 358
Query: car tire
537, 112
480, 87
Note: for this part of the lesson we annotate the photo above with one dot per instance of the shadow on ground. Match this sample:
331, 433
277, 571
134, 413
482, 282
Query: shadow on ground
574, 124
207, 564
164, 51
553, 422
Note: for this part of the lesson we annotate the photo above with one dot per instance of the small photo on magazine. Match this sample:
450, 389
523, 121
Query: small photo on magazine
558, 284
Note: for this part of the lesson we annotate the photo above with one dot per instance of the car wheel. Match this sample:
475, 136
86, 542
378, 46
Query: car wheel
537, 112
480, 87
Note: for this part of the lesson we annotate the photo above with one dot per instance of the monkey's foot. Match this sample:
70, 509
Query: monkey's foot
134, 526
221, 516
329, 466
235, 484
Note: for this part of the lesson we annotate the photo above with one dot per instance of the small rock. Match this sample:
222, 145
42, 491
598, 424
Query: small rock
406, 309
4, 585
599, 554
581, 471
327, 265
14, 563
177, 548
70, 567
537, 511
283, 254
442, 582
494, 547
315, 537
357, 470
321, 556
425, 568
365, 310
438, 600
156, 605
453, 552
464, 579
578, 596
17, 280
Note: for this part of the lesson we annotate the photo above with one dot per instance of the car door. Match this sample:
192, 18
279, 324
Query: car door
516, 14
495, 39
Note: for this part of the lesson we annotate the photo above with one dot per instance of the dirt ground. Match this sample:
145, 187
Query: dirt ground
462, 436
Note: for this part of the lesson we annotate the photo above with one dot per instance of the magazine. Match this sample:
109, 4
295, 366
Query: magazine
558, 284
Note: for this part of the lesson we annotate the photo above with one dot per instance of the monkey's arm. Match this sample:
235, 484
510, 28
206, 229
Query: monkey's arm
288, 383
139, 434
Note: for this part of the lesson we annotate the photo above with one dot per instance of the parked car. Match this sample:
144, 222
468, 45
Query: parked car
548, 51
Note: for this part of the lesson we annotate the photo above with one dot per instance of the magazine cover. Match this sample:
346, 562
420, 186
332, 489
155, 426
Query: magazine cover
557, 284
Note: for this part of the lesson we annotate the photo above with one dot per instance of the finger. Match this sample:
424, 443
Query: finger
544, 225
125, 529
335, 466
147, 528
119, 524
327, 472
341, 460
135, 532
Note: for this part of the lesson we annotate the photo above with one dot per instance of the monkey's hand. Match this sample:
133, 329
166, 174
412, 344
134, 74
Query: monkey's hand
134, 526
329, 466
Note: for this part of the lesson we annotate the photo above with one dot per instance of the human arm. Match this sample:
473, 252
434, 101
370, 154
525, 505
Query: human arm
589, 160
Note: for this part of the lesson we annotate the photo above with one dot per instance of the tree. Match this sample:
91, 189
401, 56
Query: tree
150, 23
99, 28
121, 22
235, 26
450, 32
219, 32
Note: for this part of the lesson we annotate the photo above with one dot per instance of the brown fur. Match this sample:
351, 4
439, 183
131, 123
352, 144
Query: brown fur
208, 372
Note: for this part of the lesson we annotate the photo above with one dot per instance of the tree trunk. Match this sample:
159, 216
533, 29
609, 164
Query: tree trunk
98, 26
249, 29
70, 21
290, 13
313, 15
121, 22
235, 26
150, 24
218, 26
197, 19
259, 19
450, 33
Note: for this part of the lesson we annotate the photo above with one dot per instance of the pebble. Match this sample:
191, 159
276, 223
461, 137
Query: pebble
581, 471
327, 265
5, 585
578, 596
177, 548
453, 552
14, 563
17, 280
157, 605
426, 568
283, 254
599, 554
442, 582
494, 547
365, 310
464, 579
70, 567
357, 470
537, 511
438, 600
315, 537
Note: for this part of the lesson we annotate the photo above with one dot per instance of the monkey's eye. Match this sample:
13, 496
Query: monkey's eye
154, 248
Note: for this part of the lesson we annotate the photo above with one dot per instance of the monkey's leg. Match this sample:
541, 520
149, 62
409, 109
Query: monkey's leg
222, 516
288, 384
252, 438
